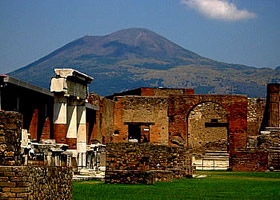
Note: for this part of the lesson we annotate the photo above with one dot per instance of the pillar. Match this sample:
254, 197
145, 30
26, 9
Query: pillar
60, 119
273, 98
81, 135
72, 126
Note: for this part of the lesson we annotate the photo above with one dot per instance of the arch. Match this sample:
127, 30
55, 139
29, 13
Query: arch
207, 127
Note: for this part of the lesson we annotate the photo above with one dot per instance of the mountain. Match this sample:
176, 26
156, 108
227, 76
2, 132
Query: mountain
138, 57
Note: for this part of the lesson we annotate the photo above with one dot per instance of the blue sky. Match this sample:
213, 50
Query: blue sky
234, 31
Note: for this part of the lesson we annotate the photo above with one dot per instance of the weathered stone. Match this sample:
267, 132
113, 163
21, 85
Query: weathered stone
145, 163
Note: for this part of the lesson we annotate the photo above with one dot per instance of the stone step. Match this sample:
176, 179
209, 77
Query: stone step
272, 129
215, 155
212, 162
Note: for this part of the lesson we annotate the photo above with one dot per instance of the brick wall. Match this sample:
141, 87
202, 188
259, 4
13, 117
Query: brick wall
33, 128
103, 120
146, 163
249, 160
10, 133
46, 133
40, 183
147, 112
234, 105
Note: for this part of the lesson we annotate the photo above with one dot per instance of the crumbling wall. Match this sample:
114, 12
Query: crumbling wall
149, 111
146, 163
256, 109
36, 182
10, 133
27, 182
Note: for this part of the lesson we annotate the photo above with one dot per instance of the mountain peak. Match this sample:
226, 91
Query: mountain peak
138, 57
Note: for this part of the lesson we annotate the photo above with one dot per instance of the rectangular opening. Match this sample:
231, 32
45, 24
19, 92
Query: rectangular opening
134, 133
214, 120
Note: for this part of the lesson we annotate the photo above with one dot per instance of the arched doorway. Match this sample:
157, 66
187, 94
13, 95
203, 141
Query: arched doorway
207, 135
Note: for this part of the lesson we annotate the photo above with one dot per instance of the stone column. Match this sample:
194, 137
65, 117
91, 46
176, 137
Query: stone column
60, 119
81, 135
72, 125
273, 98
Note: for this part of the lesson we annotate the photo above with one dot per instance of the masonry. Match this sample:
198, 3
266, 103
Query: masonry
231, 128
27, 182
146, 163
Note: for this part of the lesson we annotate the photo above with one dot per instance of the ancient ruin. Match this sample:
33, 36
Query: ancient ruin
68, 126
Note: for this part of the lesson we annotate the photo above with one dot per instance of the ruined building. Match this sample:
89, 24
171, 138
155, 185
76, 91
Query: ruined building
67, 126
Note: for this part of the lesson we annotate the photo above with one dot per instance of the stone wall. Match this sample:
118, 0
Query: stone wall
146, 163
149, 113
10, 133
256, 109
208, 127
23, 182
273, 102
249, 160
27, 182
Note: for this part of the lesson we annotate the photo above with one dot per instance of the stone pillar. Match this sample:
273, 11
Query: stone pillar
273, 100
72, 126
81, 135
72, 86
60, 119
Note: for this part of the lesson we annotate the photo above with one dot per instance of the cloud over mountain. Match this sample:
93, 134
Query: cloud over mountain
219, 9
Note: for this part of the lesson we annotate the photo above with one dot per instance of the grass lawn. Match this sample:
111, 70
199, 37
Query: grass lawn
217, 185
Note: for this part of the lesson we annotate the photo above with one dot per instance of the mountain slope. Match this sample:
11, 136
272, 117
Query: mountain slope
136, 57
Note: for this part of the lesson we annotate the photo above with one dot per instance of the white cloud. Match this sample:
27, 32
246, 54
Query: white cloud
219, 9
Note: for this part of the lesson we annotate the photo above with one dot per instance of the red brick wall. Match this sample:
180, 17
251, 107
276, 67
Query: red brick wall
46, 133
188, 91
119, 126
147, 92
249, 160
72, 143
34, 125
59, 133
235, 106
103, 120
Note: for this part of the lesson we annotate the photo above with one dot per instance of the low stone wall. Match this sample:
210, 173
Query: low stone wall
146, 163
27, 182
23, 182
249, 160
10, 133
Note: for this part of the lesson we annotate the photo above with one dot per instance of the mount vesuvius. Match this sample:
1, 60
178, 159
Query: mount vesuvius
138, 57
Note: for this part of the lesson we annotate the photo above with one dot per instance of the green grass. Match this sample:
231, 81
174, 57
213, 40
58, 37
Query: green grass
217, 185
